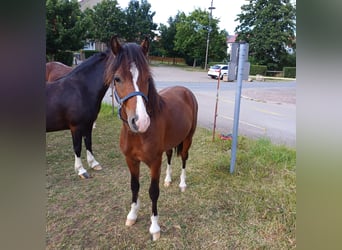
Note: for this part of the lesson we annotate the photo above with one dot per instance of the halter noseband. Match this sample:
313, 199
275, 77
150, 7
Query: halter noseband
120, 101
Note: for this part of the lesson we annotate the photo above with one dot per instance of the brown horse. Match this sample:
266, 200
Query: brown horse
153, 123
56, 70
74, 101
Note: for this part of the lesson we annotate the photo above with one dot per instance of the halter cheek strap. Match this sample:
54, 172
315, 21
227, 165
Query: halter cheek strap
120, 101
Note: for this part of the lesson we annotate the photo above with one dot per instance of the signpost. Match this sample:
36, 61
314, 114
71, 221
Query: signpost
242, 74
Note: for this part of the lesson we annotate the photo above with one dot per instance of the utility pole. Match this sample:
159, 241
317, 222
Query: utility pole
211, 8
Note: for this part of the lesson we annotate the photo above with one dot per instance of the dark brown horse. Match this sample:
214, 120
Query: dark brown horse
74, 101
56, 70
152, 123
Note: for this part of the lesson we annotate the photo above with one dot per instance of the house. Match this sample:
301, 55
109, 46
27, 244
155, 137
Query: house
91, 45
230, 39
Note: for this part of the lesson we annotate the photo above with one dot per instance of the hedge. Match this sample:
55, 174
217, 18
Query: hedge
89, 53
258, 70
289, 72
65, 57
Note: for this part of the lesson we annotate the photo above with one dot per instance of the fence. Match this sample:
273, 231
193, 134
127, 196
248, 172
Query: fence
168, 60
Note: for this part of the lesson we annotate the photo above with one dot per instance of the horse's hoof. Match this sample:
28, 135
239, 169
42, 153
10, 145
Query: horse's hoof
167, 184
84, 176
155, 236
130, 222
97, 167
182, 189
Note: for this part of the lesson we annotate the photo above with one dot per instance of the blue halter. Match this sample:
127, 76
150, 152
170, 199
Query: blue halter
120, 101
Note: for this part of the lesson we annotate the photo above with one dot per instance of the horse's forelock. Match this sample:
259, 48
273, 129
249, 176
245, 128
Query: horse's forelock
130, 53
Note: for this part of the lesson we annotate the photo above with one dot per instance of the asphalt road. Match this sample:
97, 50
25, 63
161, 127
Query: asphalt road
267, 109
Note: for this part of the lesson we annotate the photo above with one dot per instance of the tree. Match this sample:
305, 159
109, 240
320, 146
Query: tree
107, 20
191, 37
139, 21
167, 37
63, 26
269, 28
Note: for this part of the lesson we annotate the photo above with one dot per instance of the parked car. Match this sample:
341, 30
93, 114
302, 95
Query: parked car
214, 71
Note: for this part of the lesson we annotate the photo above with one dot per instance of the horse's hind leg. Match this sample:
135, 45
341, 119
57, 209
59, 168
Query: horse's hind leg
90, 157
182, 184
77, 143
184, 155
168, 180
154, 195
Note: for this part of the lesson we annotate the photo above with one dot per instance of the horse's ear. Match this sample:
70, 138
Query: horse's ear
145, 45
115, 45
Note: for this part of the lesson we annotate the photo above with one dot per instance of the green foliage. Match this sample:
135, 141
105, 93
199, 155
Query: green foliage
167, 38
65, 57
64, 30
89, 53
289, 72
191, 37
269, 28
258, 69
139, 21
108, 19
67, 28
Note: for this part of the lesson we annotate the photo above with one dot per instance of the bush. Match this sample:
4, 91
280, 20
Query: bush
289, 72
89, 53
65, 57
258, 70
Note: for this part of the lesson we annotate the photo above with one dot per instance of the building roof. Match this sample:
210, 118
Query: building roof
231, 38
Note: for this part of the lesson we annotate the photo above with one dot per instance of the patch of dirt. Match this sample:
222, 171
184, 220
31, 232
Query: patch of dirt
276, 95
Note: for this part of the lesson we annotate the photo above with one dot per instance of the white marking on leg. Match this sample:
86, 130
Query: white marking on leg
154, 228
92, 162
182, 183
133, 213
143, 121
167, 180
78, 166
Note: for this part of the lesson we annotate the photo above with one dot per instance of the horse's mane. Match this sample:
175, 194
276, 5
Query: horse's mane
89, 62
155, 103
130, 53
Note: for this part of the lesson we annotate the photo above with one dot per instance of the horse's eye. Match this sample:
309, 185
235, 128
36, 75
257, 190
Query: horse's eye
117, 79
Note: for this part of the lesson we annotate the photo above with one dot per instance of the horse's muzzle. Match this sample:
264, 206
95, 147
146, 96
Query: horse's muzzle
139, 124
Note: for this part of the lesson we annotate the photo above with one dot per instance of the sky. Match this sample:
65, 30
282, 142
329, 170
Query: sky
225, 10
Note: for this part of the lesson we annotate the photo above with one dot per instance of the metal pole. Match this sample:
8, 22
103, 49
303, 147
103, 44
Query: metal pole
243, 50
211, 8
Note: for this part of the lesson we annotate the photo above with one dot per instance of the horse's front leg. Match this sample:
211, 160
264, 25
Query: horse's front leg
134, 168
154, 195
77, 143
90, 157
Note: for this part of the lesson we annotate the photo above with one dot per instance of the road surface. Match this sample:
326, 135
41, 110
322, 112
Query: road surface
268, 109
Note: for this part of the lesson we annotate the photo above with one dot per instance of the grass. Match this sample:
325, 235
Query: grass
254, 208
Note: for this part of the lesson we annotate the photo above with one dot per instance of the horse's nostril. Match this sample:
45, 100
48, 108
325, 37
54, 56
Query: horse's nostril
133, 123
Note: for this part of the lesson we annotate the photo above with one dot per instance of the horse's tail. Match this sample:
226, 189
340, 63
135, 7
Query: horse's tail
179, 148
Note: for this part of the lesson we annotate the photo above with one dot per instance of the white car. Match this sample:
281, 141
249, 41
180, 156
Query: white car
215, 70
